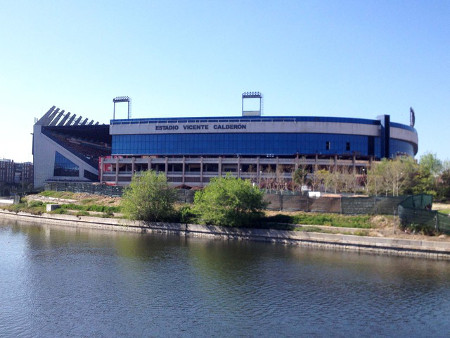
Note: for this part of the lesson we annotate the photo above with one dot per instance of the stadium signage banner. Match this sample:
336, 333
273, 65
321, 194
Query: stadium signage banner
243, 127
200, 127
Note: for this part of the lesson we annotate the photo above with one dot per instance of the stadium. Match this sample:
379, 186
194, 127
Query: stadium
190, 151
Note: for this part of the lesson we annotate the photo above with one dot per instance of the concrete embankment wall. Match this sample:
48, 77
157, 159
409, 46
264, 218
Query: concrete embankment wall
387, 246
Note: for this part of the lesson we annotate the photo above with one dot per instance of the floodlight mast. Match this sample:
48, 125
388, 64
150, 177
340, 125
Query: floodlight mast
122, 99
252, 95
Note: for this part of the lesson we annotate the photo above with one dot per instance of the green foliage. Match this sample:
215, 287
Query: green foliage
108, 214
423, 229
299, 176
229, 201
431, 164
149, 198
394, 177
57, 194
186, 214
93, 207
82, 213
59, 211
34, 207
34, 204
360, 221
324, 176
443, 187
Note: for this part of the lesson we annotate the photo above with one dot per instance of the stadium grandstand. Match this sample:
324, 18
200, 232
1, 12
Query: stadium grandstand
190, 151
68, 148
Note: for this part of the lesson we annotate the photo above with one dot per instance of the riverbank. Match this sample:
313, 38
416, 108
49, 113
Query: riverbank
363, 244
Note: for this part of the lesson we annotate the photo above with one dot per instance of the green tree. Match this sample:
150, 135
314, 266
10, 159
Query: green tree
374, 179
229, 201
392, 176
430, 163
299, 176
444, 186
426, 180
324, 176
149, 198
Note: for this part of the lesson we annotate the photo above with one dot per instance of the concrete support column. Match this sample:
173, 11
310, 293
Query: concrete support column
239, 167
117, 171
315, 162
258, 169
133, 166
335, 162
100, 174
258, 165
149, 164
166, 165
220, 166
201, 171
354, 164
184, 170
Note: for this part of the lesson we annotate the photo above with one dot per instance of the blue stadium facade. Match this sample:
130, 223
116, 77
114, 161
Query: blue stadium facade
262, 136
190, 151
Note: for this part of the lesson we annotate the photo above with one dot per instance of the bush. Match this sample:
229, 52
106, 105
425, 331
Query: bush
362, 221
229, 201
149, 198
186, 214
34, 204
93, 207
59, 211
82, 213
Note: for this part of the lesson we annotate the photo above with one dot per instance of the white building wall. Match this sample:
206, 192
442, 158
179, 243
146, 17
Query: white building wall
44, 159
247, 127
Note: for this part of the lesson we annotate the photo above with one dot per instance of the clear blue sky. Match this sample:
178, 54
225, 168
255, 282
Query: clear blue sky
195, 58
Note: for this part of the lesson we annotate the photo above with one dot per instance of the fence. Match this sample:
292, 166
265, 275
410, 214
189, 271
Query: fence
416, 210
281, 202
379, 205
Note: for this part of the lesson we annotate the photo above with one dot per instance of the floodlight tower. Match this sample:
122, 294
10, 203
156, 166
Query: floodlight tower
252, 96
122, 99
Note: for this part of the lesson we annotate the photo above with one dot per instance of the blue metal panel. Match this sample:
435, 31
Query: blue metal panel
242, 144
398, 147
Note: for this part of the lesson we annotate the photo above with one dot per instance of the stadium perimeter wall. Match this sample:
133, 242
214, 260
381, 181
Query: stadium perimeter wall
379, 205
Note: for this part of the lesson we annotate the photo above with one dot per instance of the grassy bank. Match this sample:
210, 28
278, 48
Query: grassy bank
101, 206
333, 220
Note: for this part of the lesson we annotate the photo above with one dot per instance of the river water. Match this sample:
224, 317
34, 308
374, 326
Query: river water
80, 283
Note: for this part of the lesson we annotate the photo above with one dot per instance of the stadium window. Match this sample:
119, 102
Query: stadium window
327, 145
65, 167
347, 146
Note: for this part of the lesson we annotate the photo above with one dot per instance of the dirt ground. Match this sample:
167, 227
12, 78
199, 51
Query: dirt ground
77, 198
441, 206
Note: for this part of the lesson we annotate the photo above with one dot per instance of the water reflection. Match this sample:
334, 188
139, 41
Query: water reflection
66, 281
